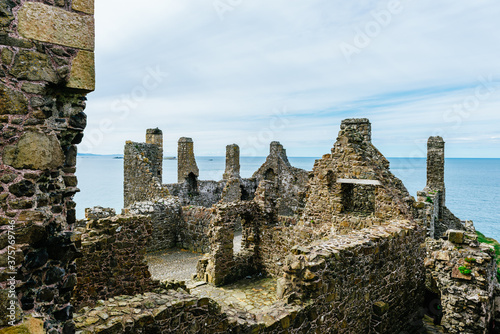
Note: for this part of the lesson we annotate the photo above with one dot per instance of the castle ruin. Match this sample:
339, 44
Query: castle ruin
347, 249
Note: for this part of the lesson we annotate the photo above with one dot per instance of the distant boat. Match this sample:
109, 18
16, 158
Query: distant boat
169, 158
118, 158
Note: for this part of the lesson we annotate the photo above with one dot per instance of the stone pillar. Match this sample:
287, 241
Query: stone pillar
47, 70
435, 167
232, 162
186, 163
154, 136
356, 129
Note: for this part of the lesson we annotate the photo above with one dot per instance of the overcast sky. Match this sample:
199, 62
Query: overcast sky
252, 71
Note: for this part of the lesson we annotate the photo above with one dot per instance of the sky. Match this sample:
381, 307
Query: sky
251, 71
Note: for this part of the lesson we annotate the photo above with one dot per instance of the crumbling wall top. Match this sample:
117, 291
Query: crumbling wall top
358, 129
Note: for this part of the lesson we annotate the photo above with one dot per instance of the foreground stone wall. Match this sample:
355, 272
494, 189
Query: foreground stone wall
112, 261
370, 281
462, 273
46, 52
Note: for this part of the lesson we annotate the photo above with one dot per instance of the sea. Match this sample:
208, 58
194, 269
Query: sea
472, 185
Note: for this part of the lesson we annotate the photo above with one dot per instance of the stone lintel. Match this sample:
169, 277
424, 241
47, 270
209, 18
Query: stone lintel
358, 181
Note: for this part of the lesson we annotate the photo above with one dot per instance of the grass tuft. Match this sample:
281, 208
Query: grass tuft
484, 239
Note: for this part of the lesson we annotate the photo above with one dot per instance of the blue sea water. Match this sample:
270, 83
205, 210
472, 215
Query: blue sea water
472, 185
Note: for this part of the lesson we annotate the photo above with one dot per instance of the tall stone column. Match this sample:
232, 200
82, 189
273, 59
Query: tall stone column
186, 162
232, 162
47, 56
154, 136
435, 167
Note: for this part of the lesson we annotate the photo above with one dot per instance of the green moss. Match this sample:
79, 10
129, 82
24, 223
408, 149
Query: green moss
464, 270
429, 200
490, 241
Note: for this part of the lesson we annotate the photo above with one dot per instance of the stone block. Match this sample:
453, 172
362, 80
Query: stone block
85, 6
36, 151
33, 66
82, 75
380, 308
55, 25
12, 102
455, 236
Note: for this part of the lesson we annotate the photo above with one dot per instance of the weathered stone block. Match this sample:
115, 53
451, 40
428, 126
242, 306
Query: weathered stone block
6, 12
12, 102
23, 188
34, 151
85, 6
34, 66
82, 74
380, 308
455, 236
55, 25
4, 312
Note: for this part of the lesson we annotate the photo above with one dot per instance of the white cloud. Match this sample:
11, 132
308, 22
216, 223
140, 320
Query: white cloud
228, 77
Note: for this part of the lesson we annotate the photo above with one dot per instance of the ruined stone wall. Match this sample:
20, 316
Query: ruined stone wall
142, 167
370, 281
277, 241
290, 183
193, 233
166, 220
462, 273
47, 69
112, 261
353, 187
206, 193
169, 312
437, 216
186, 162
222, 265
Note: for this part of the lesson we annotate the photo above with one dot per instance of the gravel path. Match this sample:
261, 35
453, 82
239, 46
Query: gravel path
172, 264
178, 264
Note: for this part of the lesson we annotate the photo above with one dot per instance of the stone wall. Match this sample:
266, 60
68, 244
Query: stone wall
462, 274
277, 241
187, 170
290, 183
165, 217
142, 167
353, 187
436, 215
206, 193
193, 230
370, 281
47, 69
221, 265
112, 261
168, 312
